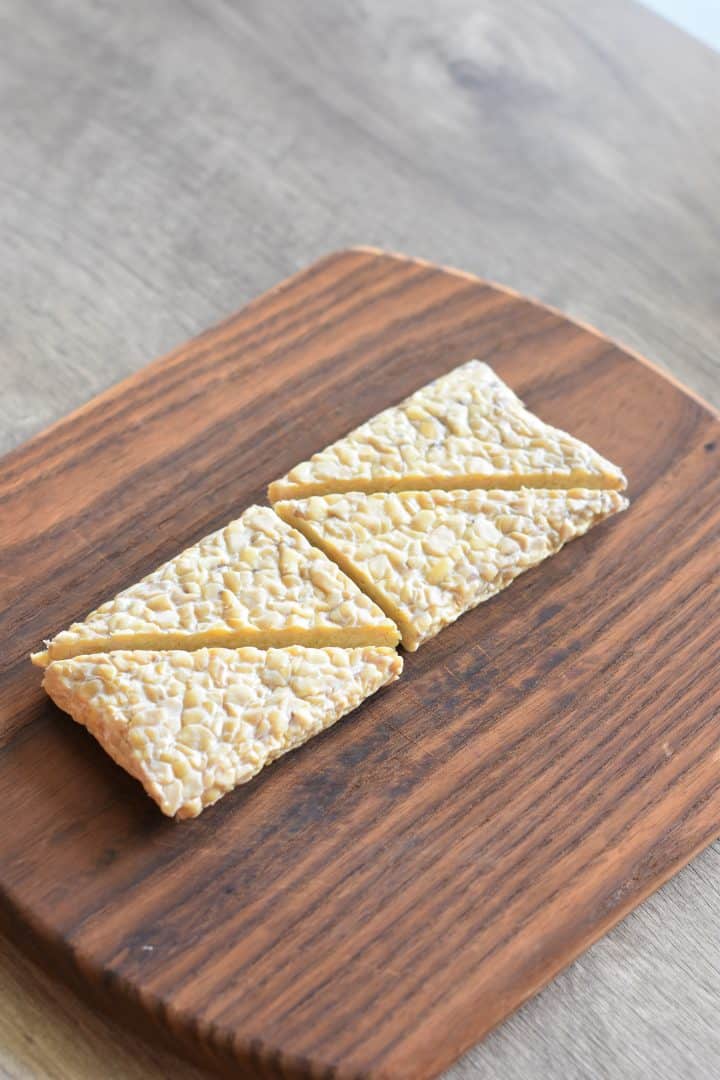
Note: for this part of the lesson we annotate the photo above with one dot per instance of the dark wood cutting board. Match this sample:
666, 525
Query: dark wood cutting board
375, 902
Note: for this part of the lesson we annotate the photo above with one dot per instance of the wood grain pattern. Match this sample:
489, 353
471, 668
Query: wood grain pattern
383, 897
162, 163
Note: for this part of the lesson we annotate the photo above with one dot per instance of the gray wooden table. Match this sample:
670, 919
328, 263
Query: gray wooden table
161, 163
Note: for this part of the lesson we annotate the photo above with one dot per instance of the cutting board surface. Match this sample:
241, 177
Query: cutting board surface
377, 901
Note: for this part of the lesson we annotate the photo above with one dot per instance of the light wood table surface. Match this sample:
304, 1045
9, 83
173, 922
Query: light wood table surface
162, 163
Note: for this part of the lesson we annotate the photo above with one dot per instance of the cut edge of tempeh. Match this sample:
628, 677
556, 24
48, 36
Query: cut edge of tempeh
281, 491
362, 579
349, 637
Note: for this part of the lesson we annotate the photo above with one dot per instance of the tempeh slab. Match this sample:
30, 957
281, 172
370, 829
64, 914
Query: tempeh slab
191, 726
254, 582
426, 557
467, 430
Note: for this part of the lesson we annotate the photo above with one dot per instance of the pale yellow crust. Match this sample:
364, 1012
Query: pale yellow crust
190, 726
427, 557
465, 430
255, 582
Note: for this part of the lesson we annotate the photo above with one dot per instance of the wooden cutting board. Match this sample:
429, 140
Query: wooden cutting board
375, 902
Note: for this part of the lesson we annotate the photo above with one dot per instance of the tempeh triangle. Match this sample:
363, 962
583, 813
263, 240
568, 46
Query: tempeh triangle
255, 582
426, 557
467, 430
190, 726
